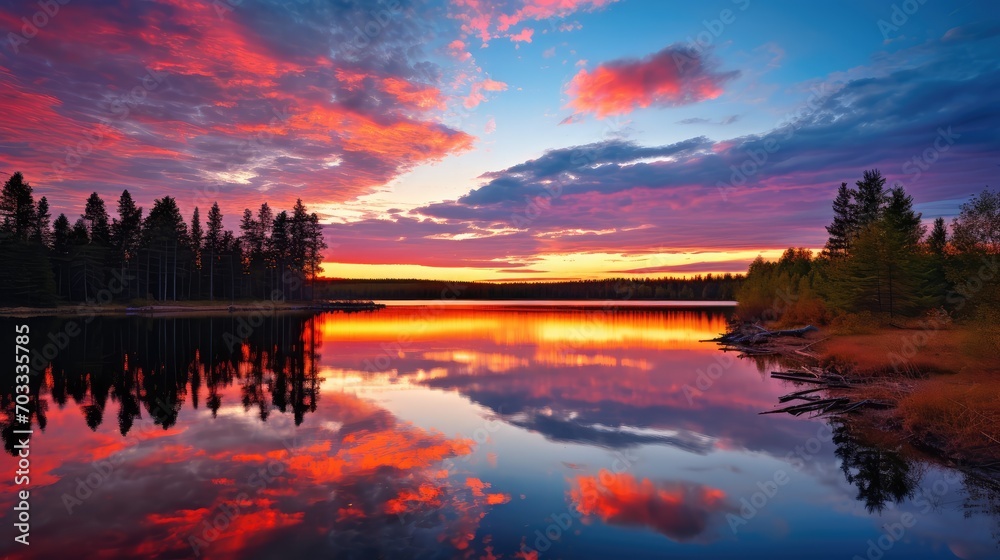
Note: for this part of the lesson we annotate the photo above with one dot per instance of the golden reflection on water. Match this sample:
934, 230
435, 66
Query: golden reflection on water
552, 331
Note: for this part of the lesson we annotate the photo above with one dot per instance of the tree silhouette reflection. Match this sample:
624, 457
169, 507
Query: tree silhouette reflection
153, 367
881, 475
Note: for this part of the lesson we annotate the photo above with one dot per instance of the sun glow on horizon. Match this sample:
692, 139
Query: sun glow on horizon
556, 267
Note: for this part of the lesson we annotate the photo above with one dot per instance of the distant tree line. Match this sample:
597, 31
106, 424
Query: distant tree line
881, 262
155, 256
706, 287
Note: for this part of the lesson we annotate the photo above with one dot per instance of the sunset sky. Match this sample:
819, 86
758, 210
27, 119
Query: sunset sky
515, 139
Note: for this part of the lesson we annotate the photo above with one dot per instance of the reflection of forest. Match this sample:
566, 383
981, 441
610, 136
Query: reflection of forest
136, 367
881, 475
884, 477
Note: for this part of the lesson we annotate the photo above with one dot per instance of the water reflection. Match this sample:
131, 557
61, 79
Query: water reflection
680, 511
882, 475
430, 433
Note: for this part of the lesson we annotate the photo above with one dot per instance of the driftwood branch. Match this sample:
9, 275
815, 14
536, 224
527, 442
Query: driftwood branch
754, 340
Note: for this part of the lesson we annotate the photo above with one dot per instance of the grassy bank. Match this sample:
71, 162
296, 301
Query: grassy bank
944, 390
929, 386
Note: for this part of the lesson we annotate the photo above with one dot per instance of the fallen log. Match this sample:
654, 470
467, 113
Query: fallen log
795, 332
802, 378
830, 380
760, 335
861, 404
800, 394
821, 405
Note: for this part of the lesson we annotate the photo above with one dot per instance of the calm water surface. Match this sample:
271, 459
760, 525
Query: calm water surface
455, 432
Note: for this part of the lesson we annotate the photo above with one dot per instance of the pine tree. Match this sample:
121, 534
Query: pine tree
84, 263
265, 218
26, 277
126, 229
165, 233
262, 264
17, 209
937, 285
279, 248
97, 220
844, 222
298, 230
901, 219
938, 239
79, 235
197, 238
42, 230
61, 234
213, 244
870, 198
126, 232
315, 248
248, 231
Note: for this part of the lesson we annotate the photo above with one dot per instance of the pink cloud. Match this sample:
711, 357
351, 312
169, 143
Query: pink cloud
524, 35
476, 96
457, 49
487, 20
674, 76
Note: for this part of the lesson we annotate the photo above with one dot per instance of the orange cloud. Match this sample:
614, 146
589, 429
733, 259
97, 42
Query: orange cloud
417, 96
676, 75
678, 511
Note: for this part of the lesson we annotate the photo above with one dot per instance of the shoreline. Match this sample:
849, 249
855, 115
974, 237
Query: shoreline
198, 306
185, 308
833, 376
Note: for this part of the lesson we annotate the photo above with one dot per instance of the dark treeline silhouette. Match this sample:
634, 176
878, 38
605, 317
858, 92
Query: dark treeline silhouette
153, 256
708, 287
134, 367
880, 262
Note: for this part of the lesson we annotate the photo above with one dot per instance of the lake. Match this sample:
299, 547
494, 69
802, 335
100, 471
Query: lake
454, 431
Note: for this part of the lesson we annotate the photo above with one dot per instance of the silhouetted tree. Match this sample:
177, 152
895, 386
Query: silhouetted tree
870, 198
17, 209
844, 224
98, 223
42, 230
213, 245
164, 233
26, 274
126, 233
197, 238
938, 239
